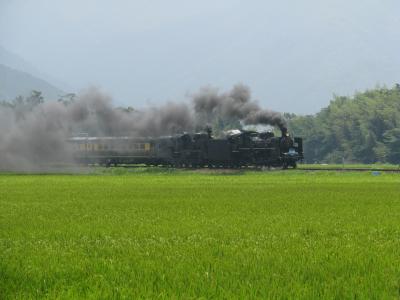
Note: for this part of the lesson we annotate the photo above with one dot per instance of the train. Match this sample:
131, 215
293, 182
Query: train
237, 148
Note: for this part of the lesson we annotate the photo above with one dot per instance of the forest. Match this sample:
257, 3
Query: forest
363, 128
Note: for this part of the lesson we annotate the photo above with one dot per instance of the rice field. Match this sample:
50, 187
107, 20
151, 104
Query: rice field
164, 234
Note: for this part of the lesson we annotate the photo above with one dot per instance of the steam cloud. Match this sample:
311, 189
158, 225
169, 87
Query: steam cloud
33, 136
236, 104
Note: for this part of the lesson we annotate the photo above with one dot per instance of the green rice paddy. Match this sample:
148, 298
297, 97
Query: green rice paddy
190, 235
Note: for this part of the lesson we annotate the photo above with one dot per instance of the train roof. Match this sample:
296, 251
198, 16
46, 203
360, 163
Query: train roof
108, 138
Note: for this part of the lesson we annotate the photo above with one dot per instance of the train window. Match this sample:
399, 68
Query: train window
141, 146
82, 147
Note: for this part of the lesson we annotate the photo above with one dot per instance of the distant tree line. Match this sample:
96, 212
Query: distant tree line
364, 128
35, 98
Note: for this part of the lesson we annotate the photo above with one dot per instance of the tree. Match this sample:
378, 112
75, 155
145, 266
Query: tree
34, 99
363, 128
67, 99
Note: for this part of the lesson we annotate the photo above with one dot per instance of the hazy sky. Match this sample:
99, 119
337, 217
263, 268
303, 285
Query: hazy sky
293, 54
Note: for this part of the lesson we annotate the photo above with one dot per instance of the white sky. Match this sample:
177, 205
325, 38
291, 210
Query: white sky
293, 54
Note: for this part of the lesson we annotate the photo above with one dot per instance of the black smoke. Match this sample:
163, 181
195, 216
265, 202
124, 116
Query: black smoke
235, 104
32, 136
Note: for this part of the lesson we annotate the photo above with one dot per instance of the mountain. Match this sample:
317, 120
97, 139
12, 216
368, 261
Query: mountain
14, 83
14, 61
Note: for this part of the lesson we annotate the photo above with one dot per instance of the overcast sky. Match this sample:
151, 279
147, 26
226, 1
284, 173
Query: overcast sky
293, 54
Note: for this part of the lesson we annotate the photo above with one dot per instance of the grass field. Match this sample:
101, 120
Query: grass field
190, 235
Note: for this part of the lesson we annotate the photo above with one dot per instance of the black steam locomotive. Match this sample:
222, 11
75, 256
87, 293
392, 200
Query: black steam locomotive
237, 149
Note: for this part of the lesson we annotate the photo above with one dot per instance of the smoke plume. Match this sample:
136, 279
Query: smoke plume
236, 104
34, 135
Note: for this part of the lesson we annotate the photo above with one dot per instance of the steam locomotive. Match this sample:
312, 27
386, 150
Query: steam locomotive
237, 149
